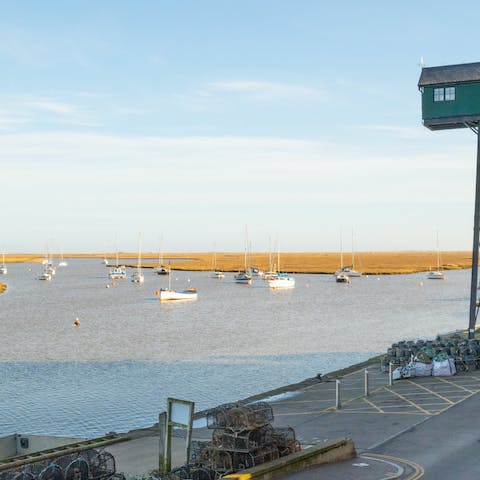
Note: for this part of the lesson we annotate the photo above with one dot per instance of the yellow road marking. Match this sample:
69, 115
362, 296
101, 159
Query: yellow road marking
453, 383
408, 401
365, 399
431, 391
418, 470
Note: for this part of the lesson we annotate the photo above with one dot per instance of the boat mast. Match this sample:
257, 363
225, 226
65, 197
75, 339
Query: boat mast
341, 248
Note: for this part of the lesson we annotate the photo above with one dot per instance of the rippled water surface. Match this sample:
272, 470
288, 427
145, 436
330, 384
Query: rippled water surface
130, 352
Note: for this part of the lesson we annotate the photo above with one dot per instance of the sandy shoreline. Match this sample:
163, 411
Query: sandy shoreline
372, 263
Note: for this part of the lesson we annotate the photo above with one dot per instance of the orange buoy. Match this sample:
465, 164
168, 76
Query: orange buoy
113, 284
157, 292
76, 322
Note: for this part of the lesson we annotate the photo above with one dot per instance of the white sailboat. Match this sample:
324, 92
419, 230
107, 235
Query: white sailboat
138, 276
436, 274
119, 272
62, 262
216, 273
244, 276
161, 269
347, 270
167, 294
3, 266
282, 280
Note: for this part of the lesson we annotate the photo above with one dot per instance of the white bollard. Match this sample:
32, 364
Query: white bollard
338, 401
390, 374
367, 390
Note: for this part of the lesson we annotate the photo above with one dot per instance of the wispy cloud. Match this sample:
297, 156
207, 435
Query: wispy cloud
263, 90
53, 107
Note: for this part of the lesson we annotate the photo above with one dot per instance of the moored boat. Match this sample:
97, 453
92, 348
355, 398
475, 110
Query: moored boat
342, 278
283, 280
166, 294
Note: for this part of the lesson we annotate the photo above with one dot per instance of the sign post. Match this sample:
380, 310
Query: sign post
179, 415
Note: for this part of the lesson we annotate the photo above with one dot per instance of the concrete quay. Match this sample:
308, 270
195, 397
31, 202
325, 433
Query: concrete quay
431, 405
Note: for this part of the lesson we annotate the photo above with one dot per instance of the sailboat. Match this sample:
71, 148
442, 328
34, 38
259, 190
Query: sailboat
62, 262
436, 274
118, 272
347, 270
216, 273
3, 266
282, 280
166, 294
244, 275
161, 269
137, 276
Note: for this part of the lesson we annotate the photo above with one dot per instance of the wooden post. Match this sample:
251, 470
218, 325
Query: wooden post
162, 435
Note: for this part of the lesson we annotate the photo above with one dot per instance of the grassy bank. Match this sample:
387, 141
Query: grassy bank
372, 263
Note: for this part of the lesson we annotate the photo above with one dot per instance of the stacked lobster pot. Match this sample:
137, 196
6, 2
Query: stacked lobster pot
85, 465
242, 437
463, 352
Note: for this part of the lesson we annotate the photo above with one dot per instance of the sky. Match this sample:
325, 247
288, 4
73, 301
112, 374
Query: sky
189, 120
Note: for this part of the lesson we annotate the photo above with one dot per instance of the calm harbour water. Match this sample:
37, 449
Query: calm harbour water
130, 353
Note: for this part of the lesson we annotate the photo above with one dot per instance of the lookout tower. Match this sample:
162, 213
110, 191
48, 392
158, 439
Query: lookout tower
451, 99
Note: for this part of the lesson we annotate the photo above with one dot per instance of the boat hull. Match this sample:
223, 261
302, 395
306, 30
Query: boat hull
172, 295
435, 275
277, 283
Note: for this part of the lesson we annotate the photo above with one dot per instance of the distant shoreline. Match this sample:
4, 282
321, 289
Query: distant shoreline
369, 263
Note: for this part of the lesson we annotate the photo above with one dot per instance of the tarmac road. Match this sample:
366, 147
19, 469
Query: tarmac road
447, 446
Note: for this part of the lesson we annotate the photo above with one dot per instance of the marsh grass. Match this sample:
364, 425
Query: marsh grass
371, 263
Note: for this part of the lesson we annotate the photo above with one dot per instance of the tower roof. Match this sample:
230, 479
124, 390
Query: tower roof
465, 72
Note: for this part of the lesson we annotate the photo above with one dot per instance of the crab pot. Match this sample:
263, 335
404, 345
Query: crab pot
200, 452
285, 441
245, 441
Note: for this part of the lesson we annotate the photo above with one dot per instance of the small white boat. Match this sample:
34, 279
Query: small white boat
118, 273
3, 266
342, 278
436, 275
62, 262
105, 261
169, 294
243, 277
217, 274
45, 276
49, 268
137, 276
162, 270
349, 271
283, 280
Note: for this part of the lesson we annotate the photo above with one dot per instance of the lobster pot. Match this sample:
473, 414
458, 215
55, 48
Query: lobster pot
52, 472
245, 441
249, 417
77, 469
102, 466
285, 441
200, 452
217, 417
265, 453
221, 461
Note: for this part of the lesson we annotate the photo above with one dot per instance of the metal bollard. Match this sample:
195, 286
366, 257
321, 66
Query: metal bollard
367, 390
390, 374
338, 401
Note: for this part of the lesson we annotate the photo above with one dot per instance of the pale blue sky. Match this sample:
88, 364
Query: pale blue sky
191, 119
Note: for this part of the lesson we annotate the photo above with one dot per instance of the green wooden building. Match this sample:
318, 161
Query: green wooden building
450, 96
